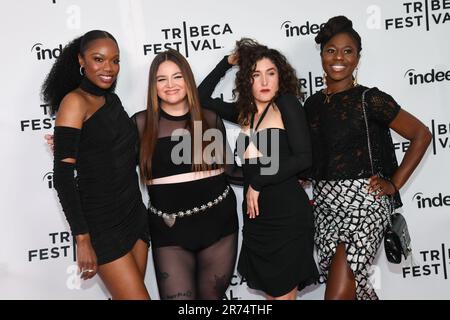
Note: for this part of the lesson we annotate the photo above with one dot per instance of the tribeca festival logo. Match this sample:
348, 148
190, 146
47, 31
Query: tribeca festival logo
62, 245
416, 14
188, 39
45, 123
440, 141
235, 282
59, 247
48, 179
441, 136
434, 201
432, 76
292, 30
310, 85
44, 53
433, 262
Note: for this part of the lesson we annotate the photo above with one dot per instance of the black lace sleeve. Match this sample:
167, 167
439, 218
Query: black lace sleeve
294, 121
139, 121
382, 107
225, 110
67, 140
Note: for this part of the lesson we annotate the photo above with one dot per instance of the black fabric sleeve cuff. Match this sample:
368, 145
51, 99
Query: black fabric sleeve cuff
256, 186
66, 146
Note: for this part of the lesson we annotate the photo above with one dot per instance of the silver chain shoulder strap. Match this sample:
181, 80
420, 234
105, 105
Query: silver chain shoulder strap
363, 106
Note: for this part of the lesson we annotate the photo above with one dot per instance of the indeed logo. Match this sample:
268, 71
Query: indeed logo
48, 179
429, 77
437, 201
292, 30
45, 53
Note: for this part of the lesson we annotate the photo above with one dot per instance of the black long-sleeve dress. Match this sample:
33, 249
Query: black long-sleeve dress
277, 247
104, 199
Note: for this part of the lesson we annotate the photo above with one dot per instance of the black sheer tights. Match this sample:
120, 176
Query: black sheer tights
187, 275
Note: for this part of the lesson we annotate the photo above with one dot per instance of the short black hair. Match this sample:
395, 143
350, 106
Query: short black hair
334, 26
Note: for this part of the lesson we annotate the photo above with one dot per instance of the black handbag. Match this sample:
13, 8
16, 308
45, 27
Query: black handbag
397, 241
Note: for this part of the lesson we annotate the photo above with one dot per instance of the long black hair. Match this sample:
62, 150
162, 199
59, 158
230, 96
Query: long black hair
64, 76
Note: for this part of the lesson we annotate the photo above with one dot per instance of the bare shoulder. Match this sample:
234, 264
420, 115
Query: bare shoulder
72, 110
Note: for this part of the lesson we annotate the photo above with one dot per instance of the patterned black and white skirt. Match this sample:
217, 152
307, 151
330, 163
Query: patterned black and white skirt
346, 213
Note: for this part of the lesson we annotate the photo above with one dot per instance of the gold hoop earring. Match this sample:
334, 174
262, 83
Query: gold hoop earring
355, 78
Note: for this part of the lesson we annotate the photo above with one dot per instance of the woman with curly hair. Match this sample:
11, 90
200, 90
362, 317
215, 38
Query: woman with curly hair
94, 136
274, 146
352, 180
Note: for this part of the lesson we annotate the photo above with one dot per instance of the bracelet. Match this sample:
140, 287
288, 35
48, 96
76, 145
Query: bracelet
393, 184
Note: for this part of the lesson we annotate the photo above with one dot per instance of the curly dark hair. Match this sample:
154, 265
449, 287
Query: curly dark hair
249, 53
335, 25
64, 76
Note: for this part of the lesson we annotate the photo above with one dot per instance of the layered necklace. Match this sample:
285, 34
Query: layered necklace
328, 95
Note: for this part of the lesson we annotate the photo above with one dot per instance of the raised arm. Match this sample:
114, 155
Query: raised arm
226, 110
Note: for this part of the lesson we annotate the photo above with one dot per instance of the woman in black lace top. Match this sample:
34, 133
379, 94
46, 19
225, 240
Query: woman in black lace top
350, 190
183, 161
277, 245
95, 137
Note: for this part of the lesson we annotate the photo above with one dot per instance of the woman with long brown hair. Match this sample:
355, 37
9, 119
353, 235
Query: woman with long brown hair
193, 220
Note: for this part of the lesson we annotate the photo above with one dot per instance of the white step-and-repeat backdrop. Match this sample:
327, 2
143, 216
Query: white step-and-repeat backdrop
405, 53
